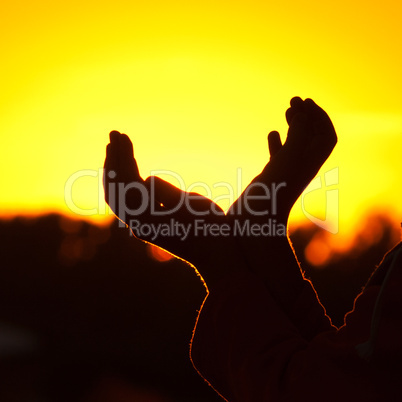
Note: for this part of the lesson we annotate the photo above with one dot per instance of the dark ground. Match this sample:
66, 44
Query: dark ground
87, 315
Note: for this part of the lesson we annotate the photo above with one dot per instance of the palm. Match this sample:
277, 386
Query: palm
159, 212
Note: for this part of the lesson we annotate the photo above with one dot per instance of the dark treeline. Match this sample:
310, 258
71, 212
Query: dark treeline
86, 314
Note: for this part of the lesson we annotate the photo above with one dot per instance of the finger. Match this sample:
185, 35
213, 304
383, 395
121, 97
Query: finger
123, 157
126, 147
111, 156
321, 123
314, 111
109, 169
274, 143
296, 102
296, 106
114, 136
112, 151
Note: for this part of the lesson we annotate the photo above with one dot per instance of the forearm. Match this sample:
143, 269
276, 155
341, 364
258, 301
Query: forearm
280, 271
247, 348
217, 265
265, 206
239, 330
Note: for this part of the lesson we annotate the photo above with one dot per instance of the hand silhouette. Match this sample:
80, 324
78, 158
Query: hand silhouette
310, 140
188, 225
196, 229
270, 196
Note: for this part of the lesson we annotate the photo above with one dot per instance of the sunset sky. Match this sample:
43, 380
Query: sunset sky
197, 86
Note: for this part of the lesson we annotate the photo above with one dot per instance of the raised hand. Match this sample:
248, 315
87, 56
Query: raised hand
186, 224
310, 140
121, 175
181, 222
268, 200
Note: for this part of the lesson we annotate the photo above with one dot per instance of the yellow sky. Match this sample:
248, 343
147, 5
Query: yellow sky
197, 86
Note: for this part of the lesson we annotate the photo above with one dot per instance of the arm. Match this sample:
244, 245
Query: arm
249, 351
178, 217
268, 200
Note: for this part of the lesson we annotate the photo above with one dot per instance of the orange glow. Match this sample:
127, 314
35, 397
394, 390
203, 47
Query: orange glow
158, 254
317, 252
80, 243
197, 86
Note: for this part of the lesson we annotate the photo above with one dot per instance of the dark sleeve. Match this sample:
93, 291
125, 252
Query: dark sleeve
249, 350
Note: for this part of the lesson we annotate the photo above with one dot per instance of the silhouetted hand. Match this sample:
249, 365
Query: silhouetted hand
186, 224
310, 140
196, 229
268, 199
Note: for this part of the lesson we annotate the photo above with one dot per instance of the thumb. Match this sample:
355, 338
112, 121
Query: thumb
274, 143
